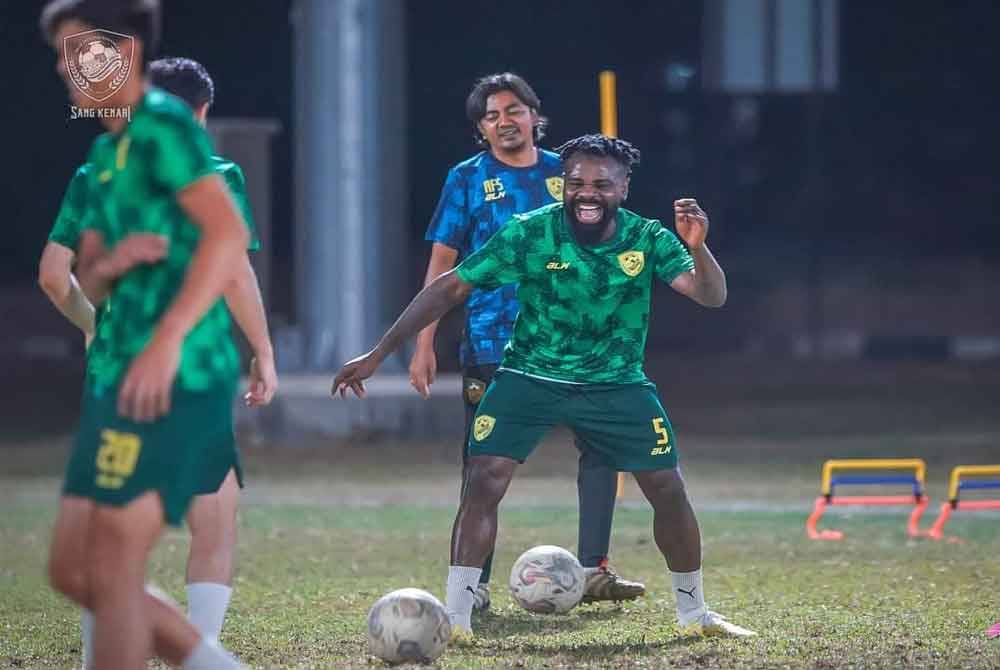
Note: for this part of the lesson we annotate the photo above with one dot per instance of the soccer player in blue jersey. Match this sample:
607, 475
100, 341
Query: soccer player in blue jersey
511, 175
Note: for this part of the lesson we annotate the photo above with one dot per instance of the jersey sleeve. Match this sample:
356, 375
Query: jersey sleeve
672, 258
450, 223
238, 188
501, 260
69, 221
180, 152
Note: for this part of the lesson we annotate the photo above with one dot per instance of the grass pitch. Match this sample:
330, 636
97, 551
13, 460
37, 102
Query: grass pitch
308, 573
327, 530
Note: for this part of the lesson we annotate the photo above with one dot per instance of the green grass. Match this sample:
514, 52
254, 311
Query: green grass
307, 576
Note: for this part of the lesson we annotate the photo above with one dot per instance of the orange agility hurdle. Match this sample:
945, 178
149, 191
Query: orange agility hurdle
917, 480
958, 483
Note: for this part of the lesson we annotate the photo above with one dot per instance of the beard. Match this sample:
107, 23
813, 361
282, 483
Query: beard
590, 232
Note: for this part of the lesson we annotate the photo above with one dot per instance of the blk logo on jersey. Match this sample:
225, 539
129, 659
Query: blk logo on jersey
556, 265
493, 188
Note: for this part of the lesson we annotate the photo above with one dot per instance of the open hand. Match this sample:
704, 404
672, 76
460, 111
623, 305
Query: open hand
353, 374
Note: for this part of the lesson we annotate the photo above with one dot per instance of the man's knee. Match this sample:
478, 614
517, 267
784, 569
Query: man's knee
68, 576
487, 478
663, 487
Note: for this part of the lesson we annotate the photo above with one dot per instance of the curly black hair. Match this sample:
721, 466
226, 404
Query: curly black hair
602, 145
186, 78
475, 104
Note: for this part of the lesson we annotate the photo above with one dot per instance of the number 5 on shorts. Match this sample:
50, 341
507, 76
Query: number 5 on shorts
664, 440
116, 458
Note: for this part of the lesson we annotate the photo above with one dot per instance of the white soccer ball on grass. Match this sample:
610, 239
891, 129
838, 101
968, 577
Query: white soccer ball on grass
547, 579
408, 625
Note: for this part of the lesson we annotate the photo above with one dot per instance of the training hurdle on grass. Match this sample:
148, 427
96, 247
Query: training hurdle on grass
958, 483
917, 480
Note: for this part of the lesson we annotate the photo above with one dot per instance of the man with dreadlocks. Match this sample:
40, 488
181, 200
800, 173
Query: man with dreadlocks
584, 269
511, 175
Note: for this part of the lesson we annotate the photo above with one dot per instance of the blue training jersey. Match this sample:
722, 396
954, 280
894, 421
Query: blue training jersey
480, 195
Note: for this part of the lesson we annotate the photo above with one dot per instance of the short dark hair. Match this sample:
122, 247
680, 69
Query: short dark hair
136, 18
186, 78
475, 104
604, 146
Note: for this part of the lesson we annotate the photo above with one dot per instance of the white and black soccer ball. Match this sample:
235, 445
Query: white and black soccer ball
548, 580
408, 625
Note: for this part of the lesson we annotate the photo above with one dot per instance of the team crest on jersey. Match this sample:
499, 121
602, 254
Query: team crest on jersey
632, 262
483, 426
555, 186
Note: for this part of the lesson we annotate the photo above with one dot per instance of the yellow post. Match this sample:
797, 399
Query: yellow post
609, 127
609, 104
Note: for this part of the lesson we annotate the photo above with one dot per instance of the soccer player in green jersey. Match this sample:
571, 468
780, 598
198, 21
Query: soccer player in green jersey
511, 175
212, 517
584, 269
162, 239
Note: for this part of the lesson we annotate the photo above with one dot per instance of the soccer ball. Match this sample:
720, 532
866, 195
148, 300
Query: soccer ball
408, 625
547, 579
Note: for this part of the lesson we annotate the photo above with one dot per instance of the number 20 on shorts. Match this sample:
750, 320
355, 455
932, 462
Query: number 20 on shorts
664, 440
116, 458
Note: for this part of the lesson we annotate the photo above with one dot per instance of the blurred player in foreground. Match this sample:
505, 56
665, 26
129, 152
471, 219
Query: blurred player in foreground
212, 517
584, 270
512, 175
161, 241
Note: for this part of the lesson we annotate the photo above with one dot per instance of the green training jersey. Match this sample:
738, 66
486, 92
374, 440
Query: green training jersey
134, 182
67, 227
237, 184
584, 309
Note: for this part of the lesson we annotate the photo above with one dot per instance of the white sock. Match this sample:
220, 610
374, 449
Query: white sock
208, 655
462, 583
587, 572
207, 605
87, 638
689, 595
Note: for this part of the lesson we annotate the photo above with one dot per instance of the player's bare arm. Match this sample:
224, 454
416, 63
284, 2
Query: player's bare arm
431, 304
706, 284
55, 276
423, 366
145, 391
98, 267
245, 303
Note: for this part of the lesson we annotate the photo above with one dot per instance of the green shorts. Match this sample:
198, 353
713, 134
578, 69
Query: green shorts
624, 423
186, 453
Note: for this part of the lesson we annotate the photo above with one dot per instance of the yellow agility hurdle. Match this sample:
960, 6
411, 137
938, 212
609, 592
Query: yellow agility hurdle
958, 483
829, 483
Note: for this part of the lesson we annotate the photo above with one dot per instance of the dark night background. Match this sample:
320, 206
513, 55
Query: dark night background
895, 170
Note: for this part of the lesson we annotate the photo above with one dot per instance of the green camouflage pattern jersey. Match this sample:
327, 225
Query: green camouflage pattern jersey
584, 310
69, 221
133, 184
237, 184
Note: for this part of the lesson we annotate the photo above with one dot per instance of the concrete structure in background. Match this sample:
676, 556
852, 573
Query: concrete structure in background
350, 180
248, 143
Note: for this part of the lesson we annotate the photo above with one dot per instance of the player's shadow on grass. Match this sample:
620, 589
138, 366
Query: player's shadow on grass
588, 651
515, 622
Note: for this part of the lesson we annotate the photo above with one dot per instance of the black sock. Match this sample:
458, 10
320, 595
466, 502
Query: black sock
597, 485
